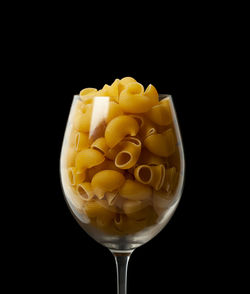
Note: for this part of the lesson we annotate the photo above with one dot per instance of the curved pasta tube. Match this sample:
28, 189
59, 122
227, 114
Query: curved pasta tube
118, 128
124, 82
111, 91
87, 91
138, 118
70, 157
106, 181
134, 190
106, 164
152, 93
81, 141
85, 191
132, 99
170, 180
120, 221
82, 120
129, 154
74, 177
152, 175
149, 158
96, 209
161, 144
100, 145
160, 114
114, 110
88, 158
147, 128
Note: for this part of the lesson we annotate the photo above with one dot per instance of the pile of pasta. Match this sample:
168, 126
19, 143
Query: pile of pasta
122, 158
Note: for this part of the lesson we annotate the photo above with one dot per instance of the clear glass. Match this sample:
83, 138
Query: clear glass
122, 204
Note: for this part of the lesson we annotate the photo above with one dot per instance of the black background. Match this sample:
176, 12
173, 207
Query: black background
56, 61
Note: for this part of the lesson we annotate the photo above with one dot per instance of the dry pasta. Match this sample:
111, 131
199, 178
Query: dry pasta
121, 156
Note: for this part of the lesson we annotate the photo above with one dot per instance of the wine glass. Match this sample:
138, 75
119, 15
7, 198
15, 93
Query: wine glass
122, 180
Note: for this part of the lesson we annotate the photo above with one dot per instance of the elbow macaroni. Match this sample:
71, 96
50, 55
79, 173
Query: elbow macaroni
121, 161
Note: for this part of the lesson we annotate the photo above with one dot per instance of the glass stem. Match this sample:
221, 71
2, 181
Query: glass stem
121, 260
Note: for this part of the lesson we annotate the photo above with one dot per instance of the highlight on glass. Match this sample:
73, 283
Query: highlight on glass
122, 166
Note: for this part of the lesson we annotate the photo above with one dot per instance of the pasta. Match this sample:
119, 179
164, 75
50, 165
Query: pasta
152, 175
161, 144
129, 154
118, 128
85, 191
121, 156
106, 181
81, 141
74, 177
160, 114
100, 145
88, 158
132, 99
134, 190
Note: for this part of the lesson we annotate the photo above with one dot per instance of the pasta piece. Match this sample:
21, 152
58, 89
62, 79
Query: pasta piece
142, 214
118, 128
100, 145
88, 158
160, 114
81, 141
147, 128
161, 144
76, 201
149, 158
153, 94
132, 99
120, 221
70, 157
129, 154
105, 219
114, 110
106, 164
95, 209
111, 91
72, 137
85, 191
74, 177
103, 202
87, 91
82, 120
106, 181
138, 118
170, 180
151, 175
124, 82
134, 190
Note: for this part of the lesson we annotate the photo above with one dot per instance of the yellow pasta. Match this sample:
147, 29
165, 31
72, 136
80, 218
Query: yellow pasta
74, 177
160, 114
81, 141
124, 82
70, 157
118, 128
95, 209
85, 191
106, 164
129, 154
132, 99
106, 181
153, 94
88, 158
161, 144
121, 156
134, 190
147, 128
152, 175
82, 120
100, 145
114, 110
